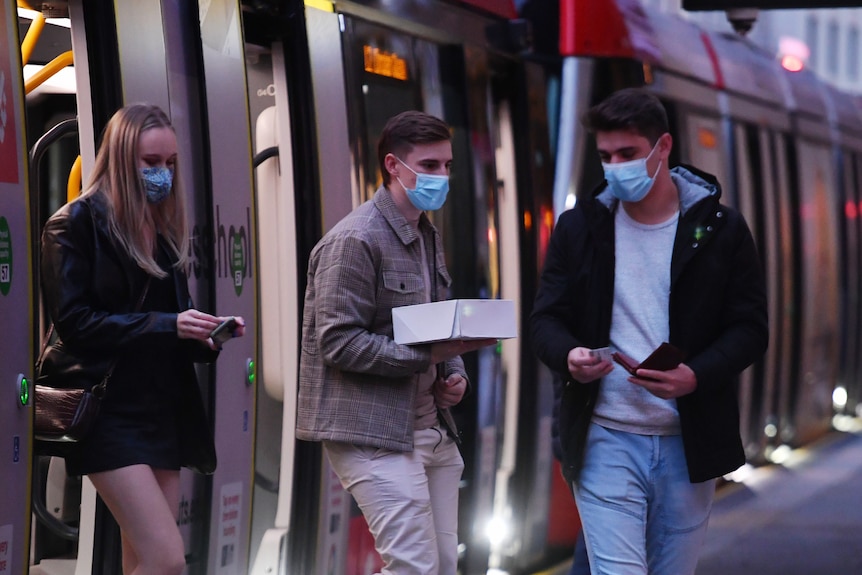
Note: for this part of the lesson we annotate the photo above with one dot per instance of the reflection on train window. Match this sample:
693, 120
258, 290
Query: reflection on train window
381, 67
853, 54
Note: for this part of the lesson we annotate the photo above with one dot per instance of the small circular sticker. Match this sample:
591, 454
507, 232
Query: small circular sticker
5, 257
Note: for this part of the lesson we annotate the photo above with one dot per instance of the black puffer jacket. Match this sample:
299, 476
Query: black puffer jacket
717, 312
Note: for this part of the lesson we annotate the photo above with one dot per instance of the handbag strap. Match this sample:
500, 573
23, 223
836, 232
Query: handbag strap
102, 384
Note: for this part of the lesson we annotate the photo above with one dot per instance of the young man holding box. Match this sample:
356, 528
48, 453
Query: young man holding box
377, 405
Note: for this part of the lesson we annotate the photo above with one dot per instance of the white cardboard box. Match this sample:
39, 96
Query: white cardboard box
455, 319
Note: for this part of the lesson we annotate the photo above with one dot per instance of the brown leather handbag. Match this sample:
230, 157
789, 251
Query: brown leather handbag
66, 398
66, 415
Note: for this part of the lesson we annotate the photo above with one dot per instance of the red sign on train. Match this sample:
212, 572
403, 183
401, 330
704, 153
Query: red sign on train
8, 136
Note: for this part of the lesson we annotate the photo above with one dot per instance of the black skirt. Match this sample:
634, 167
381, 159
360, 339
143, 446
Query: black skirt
139, 420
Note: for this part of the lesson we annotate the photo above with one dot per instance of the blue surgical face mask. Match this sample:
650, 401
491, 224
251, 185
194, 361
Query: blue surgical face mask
630, 181
430, 191
157, 183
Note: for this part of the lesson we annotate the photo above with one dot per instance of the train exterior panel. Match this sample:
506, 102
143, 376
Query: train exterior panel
16, 299
277, 107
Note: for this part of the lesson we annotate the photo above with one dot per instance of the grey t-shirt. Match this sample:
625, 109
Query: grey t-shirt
639, 324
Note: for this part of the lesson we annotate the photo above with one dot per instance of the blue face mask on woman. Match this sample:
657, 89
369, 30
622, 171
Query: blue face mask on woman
430, 191
157, 183
630, 181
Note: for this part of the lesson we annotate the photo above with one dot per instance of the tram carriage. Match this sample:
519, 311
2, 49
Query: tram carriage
277, 106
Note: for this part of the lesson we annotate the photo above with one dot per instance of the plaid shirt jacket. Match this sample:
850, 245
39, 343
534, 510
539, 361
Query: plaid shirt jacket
356, 385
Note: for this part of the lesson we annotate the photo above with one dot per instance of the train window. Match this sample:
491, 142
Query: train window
701, 146
775, 271
759, 186
832, 49
812, 37
852, 53
848, 381
854, 176
674, 128
820, 309
749, 187
44, 113
415, 74
793, 290
382, 81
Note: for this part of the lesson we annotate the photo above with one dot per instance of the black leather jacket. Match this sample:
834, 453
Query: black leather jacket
91, 287
717, 314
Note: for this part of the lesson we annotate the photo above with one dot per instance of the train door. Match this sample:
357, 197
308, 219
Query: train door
779, 426
228, 236
777, 270
853, 215
533, 512
16, 413
282, 88
374, 72
847, 390
390, 70
750, 168
305, 184
818, 361
757, 196
150, 51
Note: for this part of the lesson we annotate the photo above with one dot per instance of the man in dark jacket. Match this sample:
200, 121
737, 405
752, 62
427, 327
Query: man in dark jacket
652, 257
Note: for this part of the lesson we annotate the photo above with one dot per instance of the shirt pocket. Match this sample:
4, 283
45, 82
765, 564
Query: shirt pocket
402, 288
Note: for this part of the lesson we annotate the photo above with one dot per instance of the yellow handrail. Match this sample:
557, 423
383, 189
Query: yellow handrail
23, 4
32, 36
51, 68
73, 187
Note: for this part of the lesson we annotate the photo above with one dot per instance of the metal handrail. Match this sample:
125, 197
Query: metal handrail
261, 480
38, 150
73, 185
264, 155
32, 36
40, 510
48, 70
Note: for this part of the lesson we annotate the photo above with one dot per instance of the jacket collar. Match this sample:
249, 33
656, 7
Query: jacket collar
385, 204
693, 185
135, 276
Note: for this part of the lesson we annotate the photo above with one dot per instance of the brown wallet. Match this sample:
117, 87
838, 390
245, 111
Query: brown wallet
664, 357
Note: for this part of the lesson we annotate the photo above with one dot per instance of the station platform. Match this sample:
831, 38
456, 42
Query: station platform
802, 517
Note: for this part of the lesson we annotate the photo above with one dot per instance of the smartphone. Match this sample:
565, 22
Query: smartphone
224, 331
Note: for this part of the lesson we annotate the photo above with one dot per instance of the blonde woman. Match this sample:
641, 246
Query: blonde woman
113, 277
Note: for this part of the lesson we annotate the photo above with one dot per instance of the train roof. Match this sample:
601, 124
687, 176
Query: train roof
727, 62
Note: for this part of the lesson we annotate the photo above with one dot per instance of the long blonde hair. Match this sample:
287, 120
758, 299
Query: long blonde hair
116, 176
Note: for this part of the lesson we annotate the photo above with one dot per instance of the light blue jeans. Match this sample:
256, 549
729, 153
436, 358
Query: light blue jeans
409, 499
641, 514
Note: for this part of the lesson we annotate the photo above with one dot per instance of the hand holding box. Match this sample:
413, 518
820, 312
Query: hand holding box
463, 319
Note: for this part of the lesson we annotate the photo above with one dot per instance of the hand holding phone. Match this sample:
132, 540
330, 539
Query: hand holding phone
224, 331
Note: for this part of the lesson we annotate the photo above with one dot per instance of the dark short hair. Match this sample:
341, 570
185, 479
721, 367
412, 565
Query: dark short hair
404, 131
632, 109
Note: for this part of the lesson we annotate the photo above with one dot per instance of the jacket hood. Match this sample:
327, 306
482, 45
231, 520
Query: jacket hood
694, 185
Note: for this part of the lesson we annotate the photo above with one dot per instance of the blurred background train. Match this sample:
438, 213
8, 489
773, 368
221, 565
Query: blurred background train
278, 105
